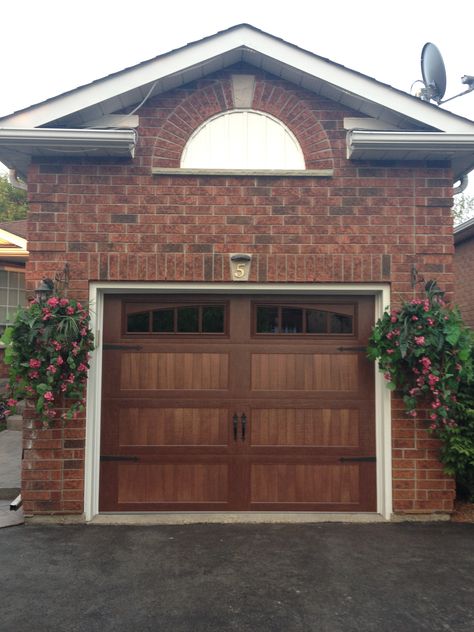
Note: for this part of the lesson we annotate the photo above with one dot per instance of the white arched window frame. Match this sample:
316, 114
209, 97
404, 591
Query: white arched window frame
243, 139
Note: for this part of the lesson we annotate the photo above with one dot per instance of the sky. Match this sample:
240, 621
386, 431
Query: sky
52, 46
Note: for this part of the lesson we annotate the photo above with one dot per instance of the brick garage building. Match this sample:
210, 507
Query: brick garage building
464, 269
239, 211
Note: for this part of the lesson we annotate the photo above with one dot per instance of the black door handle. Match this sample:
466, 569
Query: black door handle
243, 420
235, 423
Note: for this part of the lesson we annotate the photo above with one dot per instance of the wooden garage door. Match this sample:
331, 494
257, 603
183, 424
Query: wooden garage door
237, 404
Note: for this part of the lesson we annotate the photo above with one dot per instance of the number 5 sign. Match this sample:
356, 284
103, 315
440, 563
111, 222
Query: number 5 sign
240, 266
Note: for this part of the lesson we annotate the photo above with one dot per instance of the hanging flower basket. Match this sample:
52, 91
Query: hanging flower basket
424, 350
48, 349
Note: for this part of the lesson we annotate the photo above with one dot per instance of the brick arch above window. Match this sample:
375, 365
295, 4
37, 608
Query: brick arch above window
214, 97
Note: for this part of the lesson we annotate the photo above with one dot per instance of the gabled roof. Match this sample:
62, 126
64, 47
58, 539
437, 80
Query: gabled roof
241, 43
84, 106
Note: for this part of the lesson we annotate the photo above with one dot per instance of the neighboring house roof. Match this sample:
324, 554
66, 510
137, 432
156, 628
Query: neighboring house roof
13, 247
16, 226
464, 231
91, 105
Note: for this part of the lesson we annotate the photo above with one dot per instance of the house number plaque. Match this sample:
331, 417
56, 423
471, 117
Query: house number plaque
240, 266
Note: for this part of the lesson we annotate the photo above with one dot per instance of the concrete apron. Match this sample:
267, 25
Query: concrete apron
232, 518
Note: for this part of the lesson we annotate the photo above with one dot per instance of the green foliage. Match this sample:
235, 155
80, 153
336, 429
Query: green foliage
13, 201
463, 208
427, 353
457, 452
48, 349
424, 350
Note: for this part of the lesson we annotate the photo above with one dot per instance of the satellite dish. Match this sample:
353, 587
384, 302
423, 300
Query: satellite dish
433, 71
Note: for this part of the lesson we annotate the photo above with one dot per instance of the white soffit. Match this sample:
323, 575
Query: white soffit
242, 43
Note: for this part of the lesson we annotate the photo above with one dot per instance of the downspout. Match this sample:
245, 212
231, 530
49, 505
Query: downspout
463, 182
13, 180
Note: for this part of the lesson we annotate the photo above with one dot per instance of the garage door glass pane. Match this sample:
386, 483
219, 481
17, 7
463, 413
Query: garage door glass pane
213, 319
138, 322
341, 324
188, 320
316, 321
267, 320
291, 320
163, 320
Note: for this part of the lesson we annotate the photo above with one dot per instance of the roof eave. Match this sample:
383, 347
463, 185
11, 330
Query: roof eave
19, 146
457, 148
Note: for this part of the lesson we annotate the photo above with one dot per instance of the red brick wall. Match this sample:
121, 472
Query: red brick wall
464, 279
369, 222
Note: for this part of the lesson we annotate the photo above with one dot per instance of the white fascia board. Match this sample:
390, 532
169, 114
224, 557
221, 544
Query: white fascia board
362, 141
247, 38
75, 139
13, 239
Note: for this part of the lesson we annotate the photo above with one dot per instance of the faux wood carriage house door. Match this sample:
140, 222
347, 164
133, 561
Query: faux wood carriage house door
237, 403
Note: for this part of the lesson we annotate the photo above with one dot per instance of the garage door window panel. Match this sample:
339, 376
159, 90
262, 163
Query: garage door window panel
305, 320
179, 319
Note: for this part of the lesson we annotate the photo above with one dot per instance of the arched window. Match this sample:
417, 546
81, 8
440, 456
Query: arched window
242, 139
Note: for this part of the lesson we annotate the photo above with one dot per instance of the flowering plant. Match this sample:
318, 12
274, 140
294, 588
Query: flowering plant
424, 350
48, 349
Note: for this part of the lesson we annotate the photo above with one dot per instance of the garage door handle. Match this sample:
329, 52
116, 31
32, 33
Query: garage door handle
243, 421
235, 423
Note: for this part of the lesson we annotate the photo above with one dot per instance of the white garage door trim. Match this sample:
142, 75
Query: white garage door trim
97, 290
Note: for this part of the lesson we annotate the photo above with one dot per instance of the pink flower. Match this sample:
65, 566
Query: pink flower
63, 387
59, 361
420, 340
48, 396
433, 416
34, 364
414, 318
387, 376
436, 404
426, 362
33, 375
52, 369
393, 319
70, 310
53, 301
11, 402
412, 413
63, 302
430, 322
390, 351
83, 331
82, 367
57, 345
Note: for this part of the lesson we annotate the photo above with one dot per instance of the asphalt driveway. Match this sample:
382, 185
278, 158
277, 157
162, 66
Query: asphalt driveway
322, 577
